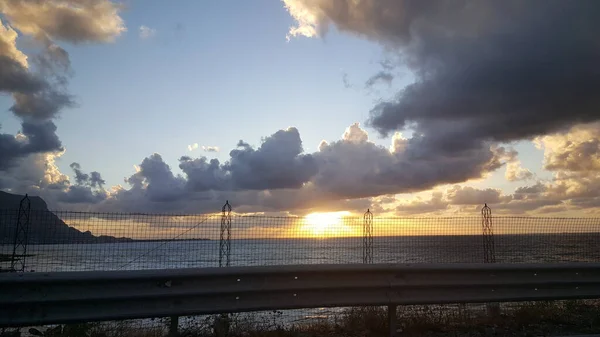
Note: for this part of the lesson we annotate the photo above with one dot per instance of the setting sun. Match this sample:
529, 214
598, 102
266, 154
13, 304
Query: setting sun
326, 224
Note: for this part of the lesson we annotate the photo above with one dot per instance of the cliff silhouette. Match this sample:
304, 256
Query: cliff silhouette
45, 227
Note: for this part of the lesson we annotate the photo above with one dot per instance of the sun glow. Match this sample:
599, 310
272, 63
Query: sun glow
326, 225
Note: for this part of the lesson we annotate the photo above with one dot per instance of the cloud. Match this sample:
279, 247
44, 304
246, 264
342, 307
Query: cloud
35, 137
419, 206
74, 21
515, 172
195, 146
37, 174
355, 167
466, 200
351, 173
380, 77
204, 175
277, 163
39, 96
34, 174
346, 81
575, 150
146, 32
93, 179
45, 104
76, 194
472, 196
469, 92
8, 46
279, 176
157, 180
574, 158
531, 189
210, 148
88, 188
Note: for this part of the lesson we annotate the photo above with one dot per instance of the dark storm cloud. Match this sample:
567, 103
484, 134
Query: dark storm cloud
157, 180
39, 137
76, 194
80, 177
15, 77
355, 167
485, 71
204, 175
278, 176
277, 163
10, 149
88, 188
35, 102
525, 71
94, 179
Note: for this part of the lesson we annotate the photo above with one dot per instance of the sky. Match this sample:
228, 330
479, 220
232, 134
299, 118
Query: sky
407, 108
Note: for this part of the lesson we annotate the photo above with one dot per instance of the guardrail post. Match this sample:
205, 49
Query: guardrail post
221, 325
392, 320
174, 326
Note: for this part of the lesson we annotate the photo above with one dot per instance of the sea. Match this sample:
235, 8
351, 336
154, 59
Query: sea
518, 248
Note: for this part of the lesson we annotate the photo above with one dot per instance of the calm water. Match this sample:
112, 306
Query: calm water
422, 249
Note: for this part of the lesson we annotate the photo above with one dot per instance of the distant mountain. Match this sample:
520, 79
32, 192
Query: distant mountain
44, 226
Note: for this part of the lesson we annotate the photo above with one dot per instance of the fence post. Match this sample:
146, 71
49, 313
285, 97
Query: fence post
221, 322
368, 237
19, 253
489, 250
225, 238
392, 319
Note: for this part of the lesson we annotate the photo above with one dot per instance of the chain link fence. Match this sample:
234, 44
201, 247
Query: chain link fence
84, 241
76, 241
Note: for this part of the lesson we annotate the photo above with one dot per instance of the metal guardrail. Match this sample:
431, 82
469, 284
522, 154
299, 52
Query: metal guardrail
68, 297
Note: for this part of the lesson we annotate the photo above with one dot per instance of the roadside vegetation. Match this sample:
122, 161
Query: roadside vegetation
522, 319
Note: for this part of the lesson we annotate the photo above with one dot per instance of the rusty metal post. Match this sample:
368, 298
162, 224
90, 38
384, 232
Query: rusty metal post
368, 237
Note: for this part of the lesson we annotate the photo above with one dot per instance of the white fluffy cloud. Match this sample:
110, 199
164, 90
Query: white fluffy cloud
146, 32
210, 148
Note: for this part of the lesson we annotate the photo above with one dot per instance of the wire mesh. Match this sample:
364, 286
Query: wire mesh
83, 241
80, 241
